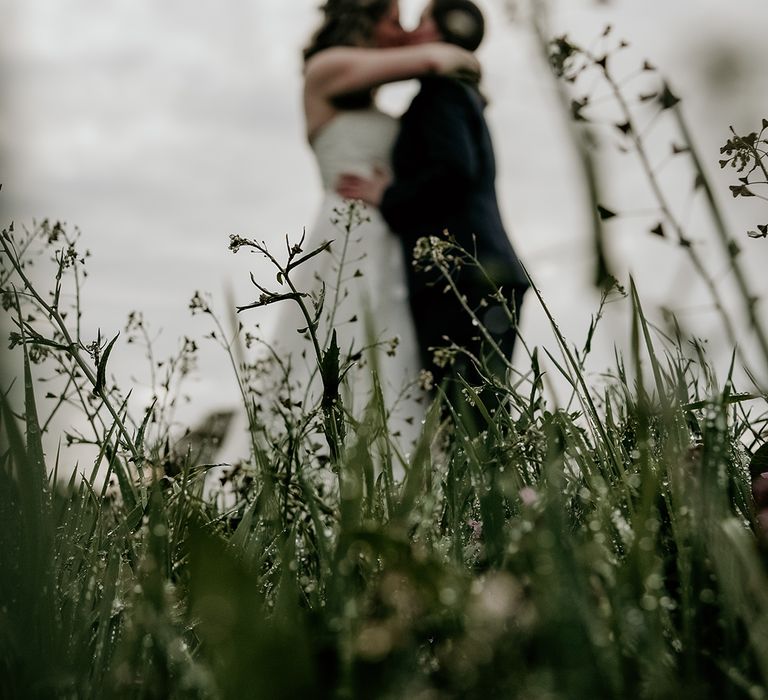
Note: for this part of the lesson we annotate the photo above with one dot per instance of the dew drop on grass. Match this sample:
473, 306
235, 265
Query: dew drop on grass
649, 602
634, 617
654, 582
448, 596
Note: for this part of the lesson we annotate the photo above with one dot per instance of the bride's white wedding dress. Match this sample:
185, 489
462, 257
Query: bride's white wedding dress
365, 292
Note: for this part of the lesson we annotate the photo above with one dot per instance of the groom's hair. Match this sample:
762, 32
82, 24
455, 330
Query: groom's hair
460, 22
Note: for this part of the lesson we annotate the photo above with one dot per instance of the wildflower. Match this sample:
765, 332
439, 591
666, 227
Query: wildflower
426, 380
54, 232
442, 357
431, 249
477, 528
421, 249
69, 257
94, 349
528, 496
562, 55
236, 242
7, 299
198, 303
37, 354
740, 151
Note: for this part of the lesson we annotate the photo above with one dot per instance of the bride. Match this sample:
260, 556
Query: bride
360, 278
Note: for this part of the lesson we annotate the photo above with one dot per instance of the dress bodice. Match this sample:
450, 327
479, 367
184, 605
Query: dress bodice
354, 142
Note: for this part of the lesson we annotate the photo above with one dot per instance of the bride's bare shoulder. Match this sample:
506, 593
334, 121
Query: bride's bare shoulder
329, 62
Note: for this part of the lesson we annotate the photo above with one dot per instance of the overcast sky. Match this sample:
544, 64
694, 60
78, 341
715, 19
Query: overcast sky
159, 128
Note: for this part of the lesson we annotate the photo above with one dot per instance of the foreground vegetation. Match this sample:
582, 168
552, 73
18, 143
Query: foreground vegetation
608, 547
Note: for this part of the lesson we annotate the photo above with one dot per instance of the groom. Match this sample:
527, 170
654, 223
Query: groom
444, 180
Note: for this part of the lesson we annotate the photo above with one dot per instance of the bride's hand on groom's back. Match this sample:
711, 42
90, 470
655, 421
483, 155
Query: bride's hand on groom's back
368, 189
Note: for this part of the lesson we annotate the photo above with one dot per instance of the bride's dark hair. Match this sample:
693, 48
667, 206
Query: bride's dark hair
347, 23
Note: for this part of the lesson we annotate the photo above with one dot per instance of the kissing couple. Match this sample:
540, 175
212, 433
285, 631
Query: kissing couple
427, 177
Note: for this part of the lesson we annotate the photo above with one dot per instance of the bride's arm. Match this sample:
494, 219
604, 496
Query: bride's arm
342, 70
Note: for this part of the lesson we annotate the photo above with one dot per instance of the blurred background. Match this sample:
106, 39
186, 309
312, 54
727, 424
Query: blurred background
159, 129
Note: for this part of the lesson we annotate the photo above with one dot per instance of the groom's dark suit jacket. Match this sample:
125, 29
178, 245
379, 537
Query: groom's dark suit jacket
444, 179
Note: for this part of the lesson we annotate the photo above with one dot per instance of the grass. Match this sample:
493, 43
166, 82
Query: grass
603, 547
607, 550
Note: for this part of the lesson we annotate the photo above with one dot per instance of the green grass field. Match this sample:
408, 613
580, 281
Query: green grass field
608, 547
